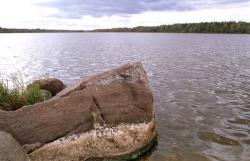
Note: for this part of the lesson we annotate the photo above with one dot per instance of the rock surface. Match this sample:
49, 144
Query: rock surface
102, 143
107, 115
50, 84
10, 149
46, 94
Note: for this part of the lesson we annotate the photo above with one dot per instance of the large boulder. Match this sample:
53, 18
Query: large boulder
109, 115
53, 85
10, 149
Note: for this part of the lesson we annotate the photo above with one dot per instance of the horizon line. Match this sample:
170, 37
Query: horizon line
83, 30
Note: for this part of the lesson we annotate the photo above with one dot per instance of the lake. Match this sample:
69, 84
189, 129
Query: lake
201, 82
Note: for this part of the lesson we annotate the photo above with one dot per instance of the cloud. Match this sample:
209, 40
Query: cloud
93, 14
211, 4
99, 8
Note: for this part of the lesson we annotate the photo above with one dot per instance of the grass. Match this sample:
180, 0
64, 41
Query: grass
14, 95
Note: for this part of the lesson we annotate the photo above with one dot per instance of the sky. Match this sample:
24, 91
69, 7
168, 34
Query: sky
98, 14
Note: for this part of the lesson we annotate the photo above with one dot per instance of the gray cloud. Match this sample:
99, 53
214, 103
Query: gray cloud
97, 8
199, 4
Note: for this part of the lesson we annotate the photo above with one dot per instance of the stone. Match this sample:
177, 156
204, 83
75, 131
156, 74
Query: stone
53, 85
122, 142
109, 115
10, 149
46, 94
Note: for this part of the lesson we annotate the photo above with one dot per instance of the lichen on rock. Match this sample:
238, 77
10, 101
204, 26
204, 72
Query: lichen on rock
104, 142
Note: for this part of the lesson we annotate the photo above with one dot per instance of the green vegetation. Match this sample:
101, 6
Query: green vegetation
14, 95
7, 30
204, 27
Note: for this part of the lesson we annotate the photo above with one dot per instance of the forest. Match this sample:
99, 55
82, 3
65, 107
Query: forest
203, 27
14, 30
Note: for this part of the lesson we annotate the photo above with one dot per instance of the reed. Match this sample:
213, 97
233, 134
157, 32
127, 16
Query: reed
14, 94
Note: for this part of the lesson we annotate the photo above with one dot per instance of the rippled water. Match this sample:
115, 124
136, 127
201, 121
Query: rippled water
201, 82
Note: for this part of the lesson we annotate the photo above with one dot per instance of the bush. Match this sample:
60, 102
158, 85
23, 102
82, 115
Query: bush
14, 95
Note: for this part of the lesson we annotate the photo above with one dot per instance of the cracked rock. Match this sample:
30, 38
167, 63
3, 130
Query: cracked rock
108, 115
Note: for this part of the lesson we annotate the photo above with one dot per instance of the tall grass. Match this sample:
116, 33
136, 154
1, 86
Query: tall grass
14, 95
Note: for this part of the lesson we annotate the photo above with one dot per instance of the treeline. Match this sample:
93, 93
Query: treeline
7, 30
203, 27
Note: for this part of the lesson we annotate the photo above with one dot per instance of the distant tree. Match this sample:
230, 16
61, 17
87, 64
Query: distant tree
203, 27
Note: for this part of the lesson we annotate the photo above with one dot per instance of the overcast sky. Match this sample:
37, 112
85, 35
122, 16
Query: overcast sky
92, 14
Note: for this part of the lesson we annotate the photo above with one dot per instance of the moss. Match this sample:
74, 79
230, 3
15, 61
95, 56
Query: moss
95, 122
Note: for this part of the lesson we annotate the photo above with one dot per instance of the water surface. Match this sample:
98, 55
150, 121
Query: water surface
201, 82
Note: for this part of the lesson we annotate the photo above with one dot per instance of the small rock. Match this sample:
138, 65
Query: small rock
50, 84
46, 94
10, 149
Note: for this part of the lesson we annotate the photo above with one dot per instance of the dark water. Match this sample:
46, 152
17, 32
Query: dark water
201, 82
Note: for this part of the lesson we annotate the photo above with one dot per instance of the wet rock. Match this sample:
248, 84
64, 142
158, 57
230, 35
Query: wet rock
50, 84
108, 115
121, 142
10, 149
